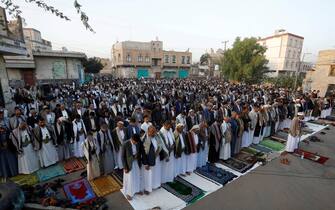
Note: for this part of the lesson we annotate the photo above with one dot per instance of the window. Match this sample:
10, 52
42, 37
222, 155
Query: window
147, 59
295, 43
140, 58
166, 59
174, 59
182, 59
332, 71
292, 64
119, 57
293, 56
188, 59
289, 54
287, 64
128, 58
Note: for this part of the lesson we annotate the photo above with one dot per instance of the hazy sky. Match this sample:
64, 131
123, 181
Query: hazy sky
182, 24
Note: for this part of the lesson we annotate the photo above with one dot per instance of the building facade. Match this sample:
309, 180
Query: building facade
322, 77
42, 64
11, 44
148, 60
283, 52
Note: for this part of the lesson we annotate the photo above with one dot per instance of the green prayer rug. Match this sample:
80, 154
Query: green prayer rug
25, 179
274, 145
184, 190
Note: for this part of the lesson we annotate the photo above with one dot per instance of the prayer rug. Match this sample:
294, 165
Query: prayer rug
246, 157
253, 151
50, 172
184, 190
236, 165
79, 191
261, 148
104, 185
72, 165
118, 174
280, 136
273, 145
216, 174
311, 156
25, 179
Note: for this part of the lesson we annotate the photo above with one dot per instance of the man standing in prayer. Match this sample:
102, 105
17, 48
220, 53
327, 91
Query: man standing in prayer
16, 119
180, 150
131, 159
168, 163
45, 139
146, 123
193, 144
119, 137
22, 138
294, 133
79, 131
214, 142
107, 149
91, 151
151, 160
203, 148
132, 128
63, 136
225, 150
253, 116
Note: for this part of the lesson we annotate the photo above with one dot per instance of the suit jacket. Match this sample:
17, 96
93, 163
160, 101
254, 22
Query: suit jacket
38, 136
253, 119
64, 135
14, 121
127, 155
117, 142
15, 137
130, 131
105, 140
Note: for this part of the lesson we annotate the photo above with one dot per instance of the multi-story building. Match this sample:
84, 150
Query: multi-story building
283, 52
322, 77
11, 43
149, 60
42, 64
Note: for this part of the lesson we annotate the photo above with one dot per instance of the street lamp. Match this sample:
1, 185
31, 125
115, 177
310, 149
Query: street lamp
298, 70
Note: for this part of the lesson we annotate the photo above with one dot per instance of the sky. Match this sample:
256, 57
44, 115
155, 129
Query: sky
183, 24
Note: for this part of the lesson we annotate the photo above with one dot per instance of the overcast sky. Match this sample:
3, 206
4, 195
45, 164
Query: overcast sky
182, 24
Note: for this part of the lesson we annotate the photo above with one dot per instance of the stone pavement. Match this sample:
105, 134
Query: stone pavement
302, 185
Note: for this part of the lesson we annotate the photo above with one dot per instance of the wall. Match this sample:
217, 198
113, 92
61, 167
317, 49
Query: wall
56, 68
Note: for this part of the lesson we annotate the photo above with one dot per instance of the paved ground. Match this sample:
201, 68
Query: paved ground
302, 185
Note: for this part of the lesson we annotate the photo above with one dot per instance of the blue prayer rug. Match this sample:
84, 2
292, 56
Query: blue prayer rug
50, 172
216, 174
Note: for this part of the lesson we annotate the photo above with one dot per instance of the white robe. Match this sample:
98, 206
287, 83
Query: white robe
167, 174
225, 150
292, 143
180, 163
92, 166
156, 174
203, 156
132, 179
192, 158
28, 161
48, 153
245, 139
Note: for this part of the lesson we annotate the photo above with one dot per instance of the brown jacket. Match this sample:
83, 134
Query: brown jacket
295, 129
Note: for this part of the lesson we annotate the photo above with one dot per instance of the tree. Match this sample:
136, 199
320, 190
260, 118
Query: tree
204, 58
14, 9
93, 65
285, 81
245, 61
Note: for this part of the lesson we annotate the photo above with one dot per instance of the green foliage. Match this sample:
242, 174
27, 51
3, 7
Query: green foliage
245, 61
285, 81
14, 10
93, 65
204, 58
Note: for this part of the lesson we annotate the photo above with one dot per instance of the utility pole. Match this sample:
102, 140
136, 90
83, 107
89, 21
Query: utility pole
298, 70
225, 44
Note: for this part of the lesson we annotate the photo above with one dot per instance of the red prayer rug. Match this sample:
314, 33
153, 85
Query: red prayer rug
79, 191
311, 156
72, 165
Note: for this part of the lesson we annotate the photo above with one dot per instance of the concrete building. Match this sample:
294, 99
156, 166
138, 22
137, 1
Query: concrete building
41, 64
11, 43
283, 52
322, 77
149, 60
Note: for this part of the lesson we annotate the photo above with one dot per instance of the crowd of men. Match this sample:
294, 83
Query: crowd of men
153, 130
